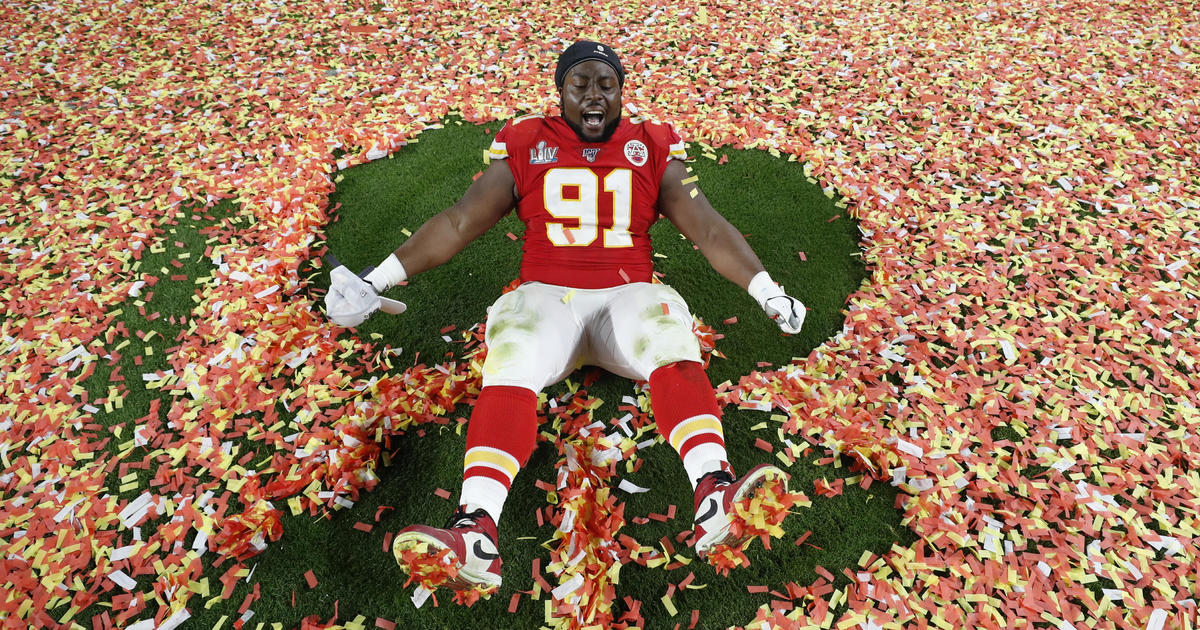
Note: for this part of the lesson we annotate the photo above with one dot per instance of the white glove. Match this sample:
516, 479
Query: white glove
786, 310
351, 300
388, 274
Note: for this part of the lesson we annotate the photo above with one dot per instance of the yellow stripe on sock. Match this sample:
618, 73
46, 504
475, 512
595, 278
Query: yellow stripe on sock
692, 426
496, 458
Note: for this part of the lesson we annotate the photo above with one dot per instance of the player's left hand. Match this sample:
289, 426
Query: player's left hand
787, 311
351, 300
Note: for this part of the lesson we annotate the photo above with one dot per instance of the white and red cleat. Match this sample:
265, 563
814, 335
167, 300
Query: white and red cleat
716, 493
462, 556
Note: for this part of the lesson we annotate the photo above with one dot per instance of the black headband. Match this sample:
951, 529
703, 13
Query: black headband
582, 51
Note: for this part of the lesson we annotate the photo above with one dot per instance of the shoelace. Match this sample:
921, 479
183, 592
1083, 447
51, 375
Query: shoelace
720, 477
463, 519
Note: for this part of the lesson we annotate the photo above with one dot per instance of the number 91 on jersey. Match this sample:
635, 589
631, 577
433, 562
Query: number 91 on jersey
574, 194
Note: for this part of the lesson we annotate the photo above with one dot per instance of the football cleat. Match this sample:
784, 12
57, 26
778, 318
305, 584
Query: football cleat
716, 494
465, 551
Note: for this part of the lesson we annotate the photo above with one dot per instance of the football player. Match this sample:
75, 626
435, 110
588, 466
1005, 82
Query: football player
587, 184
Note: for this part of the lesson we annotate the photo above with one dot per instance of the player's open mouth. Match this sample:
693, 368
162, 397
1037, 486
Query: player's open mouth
593, 119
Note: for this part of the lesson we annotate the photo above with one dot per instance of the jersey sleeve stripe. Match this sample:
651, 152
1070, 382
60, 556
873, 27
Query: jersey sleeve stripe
677, 152
498, 150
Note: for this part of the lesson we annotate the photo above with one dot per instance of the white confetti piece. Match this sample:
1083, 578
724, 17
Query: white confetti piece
176, 619
122, 580
631, 487
910, 448
267, 291
566, 588
122, 553
419, 596
135, 510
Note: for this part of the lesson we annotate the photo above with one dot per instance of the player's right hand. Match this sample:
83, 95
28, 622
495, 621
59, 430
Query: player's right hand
351, 300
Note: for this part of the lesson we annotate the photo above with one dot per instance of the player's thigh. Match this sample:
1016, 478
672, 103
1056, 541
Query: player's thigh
647, 326
532, 338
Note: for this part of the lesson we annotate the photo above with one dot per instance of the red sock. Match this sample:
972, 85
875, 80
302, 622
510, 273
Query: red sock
686, 412
501, 435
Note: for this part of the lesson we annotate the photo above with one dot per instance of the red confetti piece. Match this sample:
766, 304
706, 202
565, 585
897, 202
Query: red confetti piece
363, 527
445, 494
310, 578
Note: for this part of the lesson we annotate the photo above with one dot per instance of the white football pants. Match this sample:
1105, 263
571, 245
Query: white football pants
540, 333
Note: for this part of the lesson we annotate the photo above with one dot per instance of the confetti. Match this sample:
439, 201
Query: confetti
1030, 232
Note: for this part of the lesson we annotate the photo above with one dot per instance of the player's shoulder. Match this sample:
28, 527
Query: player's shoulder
524, 127
516, 134
661, 135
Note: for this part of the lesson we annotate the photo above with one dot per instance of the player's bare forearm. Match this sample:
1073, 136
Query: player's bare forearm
448, 232
728, 252
721, 243
433, 244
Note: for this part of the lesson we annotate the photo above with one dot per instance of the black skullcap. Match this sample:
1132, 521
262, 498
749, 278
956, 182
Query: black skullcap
582, 51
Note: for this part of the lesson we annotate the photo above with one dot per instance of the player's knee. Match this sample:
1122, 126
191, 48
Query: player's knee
669, 345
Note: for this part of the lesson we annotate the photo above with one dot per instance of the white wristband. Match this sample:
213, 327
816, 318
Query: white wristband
388, 274
762, 288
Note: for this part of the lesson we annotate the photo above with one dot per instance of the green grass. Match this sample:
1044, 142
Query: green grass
767, 198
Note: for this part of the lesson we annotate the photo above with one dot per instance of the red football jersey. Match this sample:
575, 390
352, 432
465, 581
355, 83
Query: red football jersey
587, 206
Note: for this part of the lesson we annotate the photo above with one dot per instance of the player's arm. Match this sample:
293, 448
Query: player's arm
723, 245
445, 234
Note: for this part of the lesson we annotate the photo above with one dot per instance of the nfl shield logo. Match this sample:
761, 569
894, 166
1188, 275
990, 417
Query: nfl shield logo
590, 154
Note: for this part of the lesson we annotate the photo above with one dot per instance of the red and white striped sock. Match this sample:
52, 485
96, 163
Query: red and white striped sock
501, 435
688, 417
